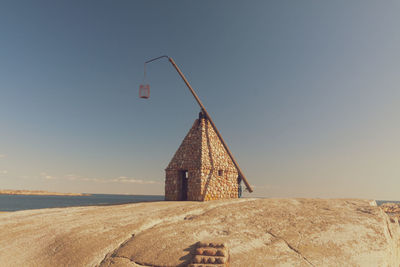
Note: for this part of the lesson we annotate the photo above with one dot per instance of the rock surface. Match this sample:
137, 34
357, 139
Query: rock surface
393, 210
258, 232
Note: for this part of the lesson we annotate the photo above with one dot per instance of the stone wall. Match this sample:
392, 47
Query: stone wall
211, 172
172, 185
187, 157
215, 159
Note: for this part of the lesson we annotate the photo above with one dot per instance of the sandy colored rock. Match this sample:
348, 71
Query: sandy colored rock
393, 210
258, 232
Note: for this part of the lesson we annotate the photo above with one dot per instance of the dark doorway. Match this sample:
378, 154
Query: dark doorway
184, 182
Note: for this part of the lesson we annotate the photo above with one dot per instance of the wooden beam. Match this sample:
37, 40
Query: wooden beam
212, 124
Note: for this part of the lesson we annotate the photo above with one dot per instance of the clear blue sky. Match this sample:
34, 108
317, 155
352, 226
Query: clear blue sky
306, 93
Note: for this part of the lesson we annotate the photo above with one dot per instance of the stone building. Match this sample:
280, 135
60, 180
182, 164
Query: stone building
201, 169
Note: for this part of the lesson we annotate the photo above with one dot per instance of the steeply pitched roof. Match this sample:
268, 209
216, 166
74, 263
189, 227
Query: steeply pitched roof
201, 148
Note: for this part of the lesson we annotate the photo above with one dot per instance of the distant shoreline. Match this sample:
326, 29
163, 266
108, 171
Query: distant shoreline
39, 193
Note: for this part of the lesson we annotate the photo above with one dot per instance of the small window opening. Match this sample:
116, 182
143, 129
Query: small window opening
220, 172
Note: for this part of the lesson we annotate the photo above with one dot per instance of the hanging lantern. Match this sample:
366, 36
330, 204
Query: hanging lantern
144, 91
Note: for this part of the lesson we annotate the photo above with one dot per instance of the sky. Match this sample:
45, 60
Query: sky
305, 93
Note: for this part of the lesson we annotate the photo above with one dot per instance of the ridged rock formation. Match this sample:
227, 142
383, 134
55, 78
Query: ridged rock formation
393, 210
210, 254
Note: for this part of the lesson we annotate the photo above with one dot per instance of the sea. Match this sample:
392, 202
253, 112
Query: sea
380, 202
29, 202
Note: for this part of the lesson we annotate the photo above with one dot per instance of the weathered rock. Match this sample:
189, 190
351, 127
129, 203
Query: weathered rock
207, 253
393, 210
262, 232
391, 207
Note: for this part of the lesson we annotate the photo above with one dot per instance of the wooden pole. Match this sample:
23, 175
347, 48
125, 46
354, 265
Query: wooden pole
211, 121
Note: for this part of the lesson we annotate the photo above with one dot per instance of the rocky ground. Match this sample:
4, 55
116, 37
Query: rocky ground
393, 210
257, 232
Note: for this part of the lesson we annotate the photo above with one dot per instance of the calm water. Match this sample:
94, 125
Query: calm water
380, 202
22, 202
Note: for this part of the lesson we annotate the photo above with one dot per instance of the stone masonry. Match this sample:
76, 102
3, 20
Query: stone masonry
211, 173
210, 255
